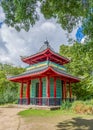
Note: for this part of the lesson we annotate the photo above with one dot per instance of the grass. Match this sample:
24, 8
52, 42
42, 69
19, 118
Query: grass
75, 108
45, 120
56, 119
43, 113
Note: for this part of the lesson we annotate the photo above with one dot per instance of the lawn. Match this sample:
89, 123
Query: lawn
43, 113
56, 120
13, 118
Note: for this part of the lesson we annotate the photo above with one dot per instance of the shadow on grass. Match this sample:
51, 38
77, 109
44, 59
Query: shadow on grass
76, 124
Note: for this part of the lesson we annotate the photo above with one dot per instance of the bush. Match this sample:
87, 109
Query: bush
66, 105
83, 107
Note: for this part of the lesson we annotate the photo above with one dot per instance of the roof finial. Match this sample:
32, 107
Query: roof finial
46, 42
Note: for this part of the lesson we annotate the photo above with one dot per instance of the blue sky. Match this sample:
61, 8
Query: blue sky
14, 44
79, 34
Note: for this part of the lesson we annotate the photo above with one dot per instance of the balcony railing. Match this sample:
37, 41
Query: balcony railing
44, 101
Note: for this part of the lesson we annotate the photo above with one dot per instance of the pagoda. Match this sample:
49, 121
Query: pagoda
46, 81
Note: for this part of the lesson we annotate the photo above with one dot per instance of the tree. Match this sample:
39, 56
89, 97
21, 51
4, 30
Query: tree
21, 14
8, 90
81, 65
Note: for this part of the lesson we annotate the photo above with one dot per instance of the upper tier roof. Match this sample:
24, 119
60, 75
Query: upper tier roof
46, 52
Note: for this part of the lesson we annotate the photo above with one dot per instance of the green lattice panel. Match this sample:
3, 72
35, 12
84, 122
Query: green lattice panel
44, 87
33, 87
51, 87
59, 88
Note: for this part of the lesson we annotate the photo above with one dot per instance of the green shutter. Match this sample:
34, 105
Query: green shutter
33, 88
51, 87
43, 87
59, 88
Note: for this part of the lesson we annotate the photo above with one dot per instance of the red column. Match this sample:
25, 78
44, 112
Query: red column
70, 91
40, 91
55, 90
40, 87
64, 91
48, 89
21, 93
62, 88
48, 86
28, 92
54, 87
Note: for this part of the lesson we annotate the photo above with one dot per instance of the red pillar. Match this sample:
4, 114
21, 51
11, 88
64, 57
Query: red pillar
70, 91
40, 91
55, 90
64, 91
21, 93
48, 89
54, 87
28, 92
48, 86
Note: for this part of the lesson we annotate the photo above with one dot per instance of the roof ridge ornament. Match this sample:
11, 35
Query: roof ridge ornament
46, 42
45, 46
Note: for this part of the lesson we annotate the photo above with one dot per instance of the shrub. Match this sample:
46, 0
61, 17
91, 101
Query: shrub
83, 107
66, 105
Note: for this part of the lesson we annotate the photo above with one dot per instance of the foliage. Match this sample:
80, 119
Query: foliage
21, 14
83, 107
81, 65
65, 11
87, 22
66, 105
8, 90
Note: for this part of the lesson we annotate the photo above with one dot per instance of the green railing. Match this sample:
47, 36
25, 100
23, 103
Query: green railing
44, 101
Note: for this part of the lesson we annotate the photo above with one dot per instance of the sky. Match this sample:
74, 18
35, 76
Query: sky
14, 44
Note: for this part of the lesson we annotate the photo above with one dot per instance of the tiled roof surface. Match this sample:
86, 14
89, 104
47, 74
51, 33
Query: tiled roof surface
61, 72
44, 47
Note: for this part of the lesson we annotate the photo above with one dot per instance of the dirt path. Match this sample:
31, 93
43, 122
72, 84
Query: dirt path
9, 120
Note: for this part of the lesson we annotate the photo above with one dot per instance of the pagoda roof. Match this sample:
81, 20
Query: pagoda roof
45, 52
43, 72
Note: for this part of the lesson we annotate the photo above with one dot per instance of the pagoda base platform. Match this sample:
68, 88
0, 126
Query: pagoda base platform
36, 107
43, 101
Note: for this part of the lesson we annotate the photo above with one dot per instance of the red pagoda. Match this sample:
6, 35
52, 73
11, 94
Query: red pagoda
45, 81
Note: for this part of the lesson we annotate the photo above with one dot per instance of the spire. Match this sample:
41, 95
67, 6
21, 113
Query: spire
45, 46
46, 42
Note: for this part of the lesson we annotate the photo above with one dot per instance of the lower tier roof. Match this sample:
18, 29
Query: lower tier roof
43, 72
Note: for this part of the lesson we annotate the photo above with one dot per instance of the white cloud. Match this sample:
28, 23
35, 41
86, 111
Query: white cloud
48, 26
2, 16
14, 44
